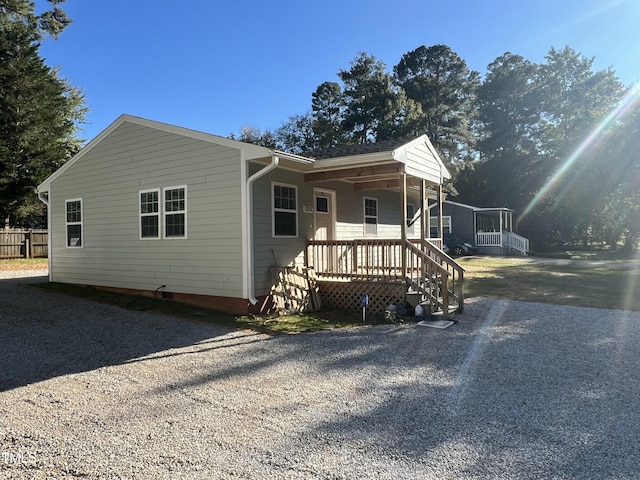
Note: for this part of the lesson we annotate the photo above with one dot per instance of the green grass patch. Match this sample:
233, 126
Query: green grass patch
270, 324
587, 280
581, 282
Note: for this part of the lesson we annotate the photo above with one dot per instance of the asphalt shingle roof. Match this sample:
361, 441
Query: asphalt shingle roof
358, 149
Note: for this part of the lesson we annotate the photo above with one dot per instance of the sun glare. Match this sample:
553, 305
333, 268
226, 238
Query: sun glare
633, 282
631, 99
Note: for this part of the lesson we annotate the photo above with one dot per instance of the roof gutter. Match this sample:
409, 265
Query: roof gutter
43, 196
275, 160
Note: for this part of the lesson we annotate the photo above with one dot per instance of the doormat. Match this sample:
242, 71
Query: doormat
441, 324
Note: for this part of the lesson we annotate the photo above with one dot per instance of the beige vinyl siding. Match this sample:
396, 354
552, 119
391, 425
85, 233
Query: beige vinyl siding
350, 211
421, 163
287, 250
109, 178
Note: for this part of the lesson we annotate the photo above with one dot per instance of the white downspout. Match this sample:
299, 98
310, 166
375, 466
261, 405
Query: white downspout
250, 181
44, 199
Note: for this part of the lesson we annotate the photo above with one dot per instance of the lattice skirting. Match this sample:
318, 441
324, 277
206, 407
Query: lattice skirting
348, 295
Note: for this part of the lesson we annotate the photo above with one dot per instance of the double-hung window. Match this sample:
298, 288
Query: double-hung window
433, 226
370, 216
285, 211
150, 213
74, 222
163, 216
175, 212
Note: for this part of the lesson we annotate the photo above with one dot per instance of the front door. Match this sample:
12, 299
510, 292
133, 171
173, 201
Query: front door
324, 227
324, 214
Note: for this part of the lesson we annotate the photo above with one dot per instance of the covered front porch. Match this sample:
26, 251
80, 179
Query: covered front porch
365, 211
381, 244
494, 232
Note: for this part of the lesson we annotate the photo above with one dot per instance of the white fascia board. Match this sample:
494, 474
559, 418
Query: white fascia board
293, 157
445, 171
479, 209
463, 205
400, 153
249, 151
44, 186
353, 160
497, 209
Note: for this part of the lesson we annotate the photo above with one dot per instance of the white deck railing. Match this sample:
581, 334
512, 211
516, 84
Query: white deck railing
489, 239
516, 242
507, 239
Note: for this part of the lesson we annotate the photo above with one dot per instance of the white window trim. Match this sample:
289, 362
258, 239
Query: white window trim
435, 225
67, 223
165, 213
365, 216
273, 210
159, 214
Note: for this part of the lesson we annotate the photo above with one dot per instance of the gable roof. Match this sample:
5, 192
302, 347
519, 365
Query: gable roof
250, 150
358, 149
417, 156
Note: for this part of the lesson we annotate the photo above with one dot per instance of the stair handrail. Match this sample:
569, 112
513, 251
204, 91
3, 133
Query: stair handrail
454, 272
518, 242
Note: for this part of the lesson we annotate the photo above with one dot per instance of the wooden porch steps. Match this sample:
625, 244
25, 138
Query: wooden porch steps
413, 298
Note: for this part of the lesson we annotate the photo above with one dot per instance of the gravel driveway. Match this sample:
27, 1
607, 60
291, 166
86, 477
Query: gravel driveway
514, 390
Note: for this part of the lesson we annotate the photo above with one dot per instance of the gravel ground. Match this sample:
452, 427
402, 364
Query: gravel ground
513, 390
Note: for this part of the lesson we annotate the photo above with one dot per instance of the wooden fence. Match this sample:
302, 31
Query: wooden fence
23, 243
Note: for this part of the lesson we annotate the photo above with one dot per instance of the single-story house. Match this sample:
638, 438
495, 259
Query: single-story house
157, 209
489, 229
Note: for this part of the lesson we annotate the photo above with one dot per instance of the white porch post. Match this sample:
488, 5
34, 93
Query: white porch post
440, 232
403, 227
424, 211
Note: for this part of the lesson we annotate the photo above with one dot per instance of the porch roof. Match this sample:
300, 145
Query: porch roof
343, 151
480, 209
379, 165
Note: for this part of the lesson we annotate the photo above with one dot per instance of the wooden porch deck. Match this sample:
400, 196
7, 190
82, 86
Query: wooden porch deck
386, 270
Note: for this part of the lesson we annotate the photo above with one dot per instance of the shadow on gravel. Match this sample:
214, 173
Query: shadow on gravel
522, 390
525, 391
45, 335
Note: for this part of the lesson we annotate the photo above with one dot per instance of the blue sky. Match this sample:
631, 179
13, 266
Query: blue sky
216, 66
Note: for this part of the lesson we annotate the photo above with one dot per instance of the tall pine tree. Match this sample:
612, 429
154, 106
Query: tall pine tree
39, 112
439, 80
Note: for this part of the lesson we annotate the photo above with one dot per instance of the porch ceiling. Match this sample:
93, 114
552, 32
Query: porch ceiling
370, 177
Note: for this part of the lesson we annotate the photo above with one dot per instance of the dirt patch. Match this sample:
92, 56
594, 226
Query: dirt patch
23, 264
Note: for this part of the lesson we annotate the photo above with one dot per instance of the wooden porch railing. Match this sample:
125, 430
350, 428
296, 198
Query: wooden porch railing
379, 260
426, 268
